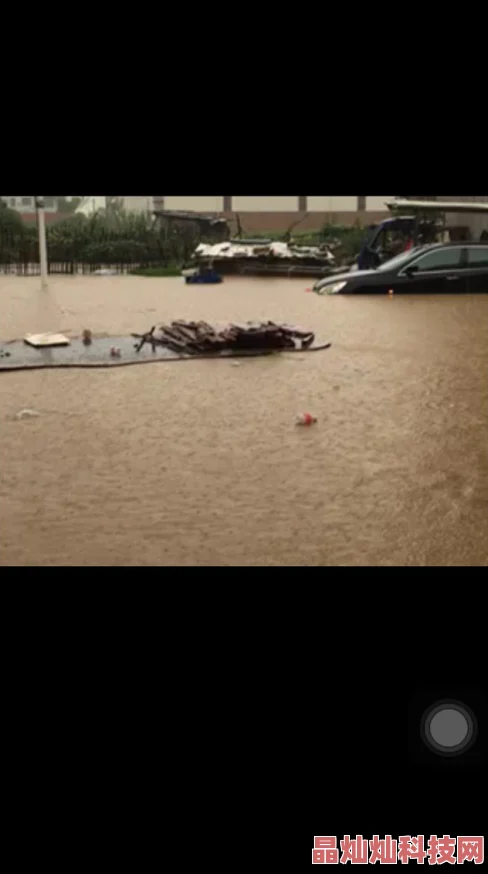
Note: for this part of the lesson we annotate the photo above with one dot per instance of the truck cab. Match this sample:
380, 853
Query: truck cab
395, 235
422, 223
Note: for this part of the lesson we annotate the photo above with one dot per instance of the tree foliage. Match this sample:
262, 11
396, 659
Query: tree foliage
68, 206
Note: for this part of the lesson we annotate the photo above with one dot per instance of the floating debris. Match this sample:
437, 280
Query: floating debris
268, 256
41, 341
196, 337
169, 342
27, 414
305, 419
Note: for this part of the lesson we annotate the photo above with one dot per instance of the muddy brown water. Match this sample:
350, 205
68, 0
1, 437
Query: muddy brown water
200, 462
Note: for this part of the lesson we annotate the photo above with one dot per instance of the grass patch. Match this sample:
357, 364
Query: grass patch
156, 271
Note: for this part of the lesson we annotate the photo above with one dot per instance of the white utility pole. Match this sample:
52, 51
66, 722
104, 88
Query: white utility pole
42, 240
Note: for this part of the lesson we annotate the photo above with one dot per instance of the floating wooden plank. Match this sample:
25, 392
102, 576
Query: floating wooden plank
43, 341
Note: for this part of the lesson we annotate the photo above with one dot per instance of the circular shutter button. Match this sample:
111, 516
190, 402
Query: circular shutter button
448, 728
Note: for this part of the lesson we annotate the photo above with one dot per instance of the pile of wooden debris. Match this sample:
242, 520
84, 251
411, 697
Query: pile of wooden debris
193, 338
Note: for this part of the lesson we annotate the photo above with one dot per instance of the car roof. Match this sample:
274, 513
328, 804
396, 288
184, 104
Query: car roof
461, 244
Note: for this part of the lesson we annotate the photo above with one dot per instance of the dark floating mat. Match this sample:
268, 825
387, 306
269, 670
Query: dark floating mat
23, 357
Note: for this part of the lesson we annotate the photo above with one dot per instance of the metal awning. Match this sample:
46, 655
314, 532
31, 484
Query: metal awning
437, 206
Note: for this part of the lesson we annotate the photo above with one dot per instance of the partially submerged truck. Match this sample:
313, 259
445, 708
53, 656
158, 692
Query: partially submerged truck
420, 222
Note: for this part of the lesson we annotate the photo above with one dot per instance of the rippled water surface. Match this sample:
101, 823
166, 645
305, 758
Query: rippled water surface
200, 462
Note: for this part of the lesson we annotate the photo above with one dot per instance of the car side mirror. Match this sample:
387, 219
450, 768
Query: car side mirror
410, 271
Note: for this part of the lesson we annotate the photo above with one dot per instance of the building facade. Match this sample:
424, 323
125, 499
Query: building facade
475, 224
27, 204
91, 204
246, 203
278, 213
256, 213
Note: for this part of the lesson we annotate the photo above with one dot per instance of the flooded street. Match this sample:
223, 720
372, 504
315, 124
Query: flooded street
200, 462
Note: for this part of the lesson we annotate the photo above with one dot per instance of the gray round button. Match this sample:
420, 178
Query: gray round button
448, 727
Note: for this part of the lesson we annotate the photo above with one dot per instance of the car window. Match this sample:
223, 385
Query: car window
478, 257
439, 259
397, 261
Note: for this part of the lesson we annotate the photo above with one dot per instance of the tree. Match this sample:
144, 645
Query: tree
68, 206
10, 219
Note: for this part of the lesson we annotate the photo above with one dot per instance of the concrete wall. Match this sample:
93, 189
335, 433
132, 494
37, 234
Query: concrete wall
265, 204
377, 202
194, 204
138, 204
315, 203
476, 223
265, 222
335, 203
283, 204
277, 204
331, 203
16, 203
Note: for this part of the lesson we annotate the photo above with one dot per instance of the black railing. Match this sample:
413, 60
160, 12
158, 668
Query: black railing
71, 268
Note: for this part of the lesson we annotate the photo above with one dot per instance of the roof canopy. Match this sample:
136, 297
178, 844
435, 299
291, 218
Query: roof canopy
437, 206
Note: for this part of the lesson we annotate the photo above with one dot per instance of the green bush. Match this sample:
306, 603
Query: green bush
349, 238
156, 271
111, 236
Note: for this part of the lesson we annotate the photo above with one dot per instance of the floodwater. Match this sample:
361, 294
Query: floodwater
200, 462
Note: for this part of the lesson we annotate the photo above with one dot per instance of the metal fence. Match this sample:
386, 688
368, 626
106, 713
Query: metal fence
68, 268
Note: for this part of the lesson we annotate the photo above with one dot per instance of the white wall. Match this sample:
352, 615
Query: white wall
30, 207
19, 206
138, 204
194, 204
89, 205
377, 202
316, 203
347, 203
239, 204
264, 204
332, 203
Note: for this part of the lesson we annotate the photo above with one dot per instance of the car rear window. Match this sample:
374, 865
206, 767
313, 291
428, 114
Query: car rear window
478, 257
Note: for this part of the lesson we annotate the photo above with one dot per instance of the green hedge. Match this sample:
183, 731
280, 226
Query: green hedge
109, 237
156, 271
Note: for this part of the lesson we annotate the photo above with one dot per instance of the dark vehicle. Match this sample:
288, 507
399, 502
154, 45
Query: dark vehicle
391, 237
442, 268
422, 223
203, 276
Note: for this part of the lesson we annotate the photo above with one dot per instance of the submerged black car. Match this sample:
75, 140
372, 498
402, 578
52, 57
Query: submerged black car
442, 268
